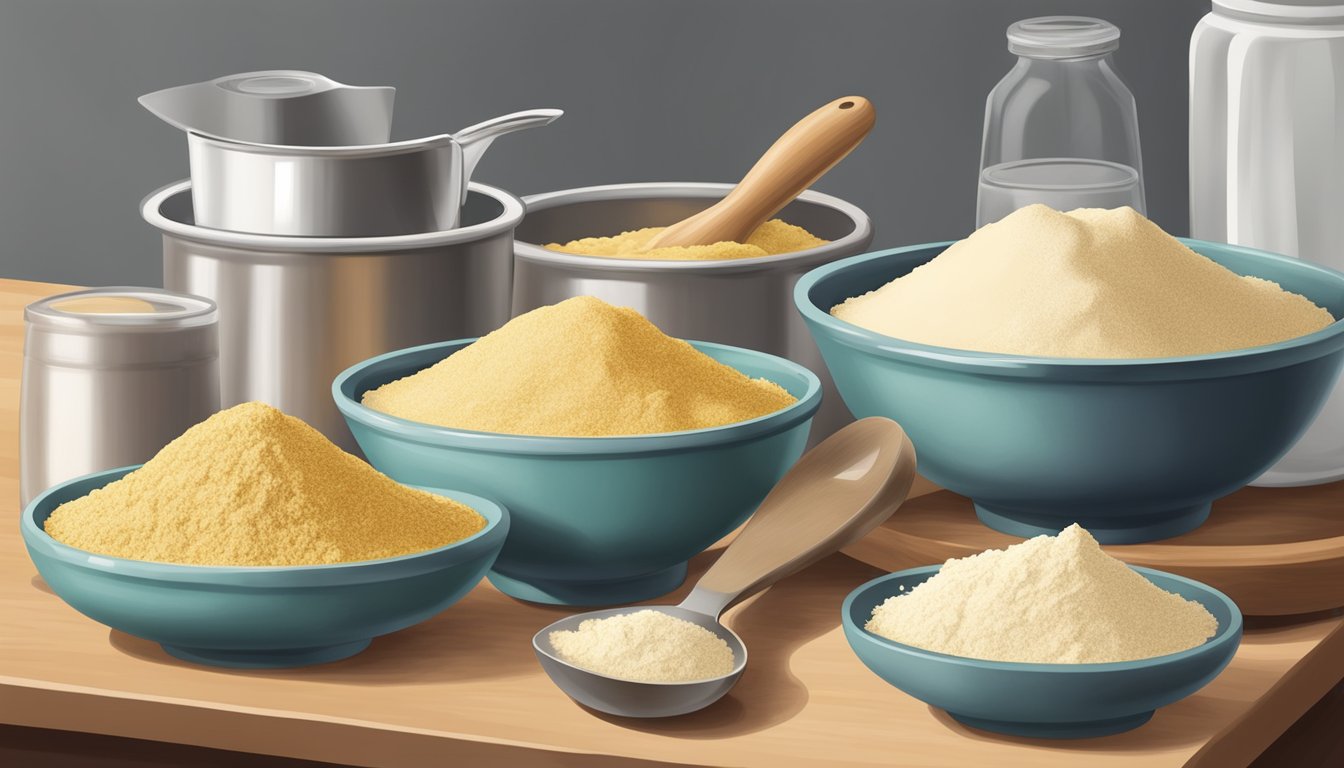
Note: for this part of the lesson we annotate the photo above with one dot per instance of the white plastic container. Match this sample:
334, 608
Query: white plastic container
1267, 159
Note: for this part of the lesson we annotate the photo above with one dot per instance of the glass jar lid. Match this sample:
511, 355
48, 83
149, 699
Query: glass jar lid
1062, 37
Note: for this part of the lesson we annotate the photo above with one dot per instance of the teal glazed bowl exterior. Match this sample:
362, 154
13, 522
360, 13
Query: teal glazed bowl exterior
259, 616
1133, 450
595, 520
1053, 701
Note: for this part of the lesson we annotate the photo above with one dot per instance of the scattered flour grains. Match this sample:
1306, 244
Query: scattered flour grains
253, 486
1091, 283
1051, 599
770, 239
646, 645
580, 368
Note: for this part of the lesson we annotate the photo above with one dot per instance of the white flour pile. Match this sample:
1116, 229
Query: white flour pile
1091, 283
1051, 599
650, 646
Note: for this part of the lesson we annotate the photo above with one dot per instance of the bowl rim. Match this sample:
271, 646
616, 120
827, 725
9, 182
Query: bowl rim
318, 575
797, 412
151, 210
1226, 634
859, 236
1230, 362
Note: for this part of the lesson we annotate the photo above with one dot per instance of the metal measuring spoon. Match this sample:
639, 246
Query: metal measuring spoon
835, 494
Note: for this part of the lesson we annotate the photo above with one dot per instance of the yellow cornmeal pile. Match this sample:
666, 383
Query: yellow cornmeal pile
1050, 600
770, 239
580, 368
1091, 283
253, 486
646, 645
104, 305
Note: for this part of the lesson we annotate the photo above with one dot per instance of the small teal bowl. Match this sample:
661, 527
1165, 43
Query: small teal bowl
1051, 701
1134, 450
259, 616
596, 520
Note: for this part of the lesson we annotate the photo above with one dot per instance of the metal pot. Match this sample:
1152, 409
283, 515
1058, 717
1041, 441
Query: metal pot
296, 311
743, 302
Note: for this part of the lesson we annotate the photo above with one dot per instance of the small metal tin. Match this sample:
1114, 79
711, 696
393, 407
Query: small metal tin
110, 376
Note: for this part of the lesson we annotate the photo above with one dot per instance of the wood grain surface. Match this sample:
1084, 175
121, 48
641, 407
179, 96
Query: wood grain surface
464, 688
1274, 551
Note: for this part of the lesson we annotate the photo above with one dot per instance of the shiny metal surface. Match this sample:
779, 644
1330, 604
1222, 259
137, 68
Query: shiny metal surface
745, 303
377, 190
279, 106
294, 312
106, 390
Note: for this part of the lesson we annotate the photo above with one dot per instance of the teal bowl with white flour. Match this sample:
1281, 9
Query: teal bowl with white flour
1133, 450
1052, 701
595, 520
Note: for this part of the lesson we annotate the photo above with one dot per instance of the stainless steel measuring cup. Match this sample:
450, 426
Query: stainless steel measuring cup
375, 190
278, 106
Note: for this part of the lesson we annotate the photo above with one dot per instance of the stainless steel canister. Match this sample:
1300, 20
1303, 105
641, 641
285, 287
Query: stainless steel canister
110, 376
296, 311
743, 302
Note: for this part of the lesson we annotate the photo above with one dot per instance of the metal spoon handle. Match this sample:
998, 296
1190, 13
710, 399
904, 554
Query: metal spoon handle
835, 494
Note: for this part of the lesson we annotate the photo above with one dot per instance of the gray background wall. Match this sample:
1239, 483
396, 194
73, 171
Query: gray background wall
672, 90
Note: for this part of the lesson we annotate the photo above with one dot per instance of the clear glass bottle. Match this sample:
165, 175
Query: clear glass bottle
1061, 128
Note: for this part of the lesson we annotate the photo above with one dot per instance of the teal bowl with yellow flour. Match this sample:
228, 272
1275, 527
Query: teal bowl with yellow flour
259, 616
595, 520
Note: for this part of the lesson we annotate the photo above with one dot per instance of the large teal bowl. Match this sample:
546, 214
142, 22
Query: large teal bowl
246, 616
596, 520
1134, 450
1042, 700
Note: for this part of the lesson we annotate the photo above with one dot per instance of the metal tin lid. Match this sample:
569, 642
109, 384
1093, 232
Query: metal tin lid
1310, 11
1062, 37
121, 310
120, 328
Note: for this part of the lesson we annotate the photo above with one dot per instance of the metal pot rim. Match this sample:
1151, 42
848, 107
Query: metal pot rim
151, 209
863, 228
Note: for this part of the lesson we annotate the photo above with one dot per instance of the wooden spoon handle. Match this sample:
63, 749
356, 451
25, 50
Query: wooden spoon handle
834, 495
798, 158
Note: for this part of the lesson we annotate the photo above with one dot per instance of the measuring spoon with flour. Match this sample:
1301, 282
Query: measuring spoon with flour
835, 494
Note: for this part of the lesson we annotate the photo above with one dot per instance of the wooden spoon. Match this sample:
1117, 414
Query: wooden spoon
798, 158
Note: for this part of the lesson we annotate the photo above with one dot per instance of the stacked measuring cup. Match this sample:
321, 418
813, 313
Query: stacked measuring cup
323, 241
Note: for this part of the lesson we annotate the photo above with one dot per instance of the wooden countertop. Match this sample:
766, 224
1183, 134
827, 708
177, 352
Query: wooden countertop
465, 689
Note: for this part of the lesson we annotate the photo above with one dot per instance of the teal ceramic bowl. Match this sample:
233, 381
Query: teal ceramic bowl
1134, 450
1061, 701
259, 617
595, 520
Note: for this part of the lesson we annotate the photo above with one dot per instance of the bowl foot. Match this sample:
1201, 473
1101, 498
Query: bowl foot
591, 593
267, 659
1084, 730
1115, 529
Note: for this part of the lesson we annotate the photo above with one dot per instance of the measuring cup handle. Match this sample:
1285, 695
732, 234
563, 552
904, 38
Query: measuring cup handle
810, 515
475, 139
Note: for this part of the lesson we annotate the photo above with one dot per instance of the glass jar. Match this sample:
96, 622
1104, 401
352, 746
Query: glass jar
1061, 128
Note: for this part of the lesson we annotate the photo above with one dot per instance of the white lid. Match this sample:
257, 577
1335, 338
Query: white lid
1062, 37
1287, 10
